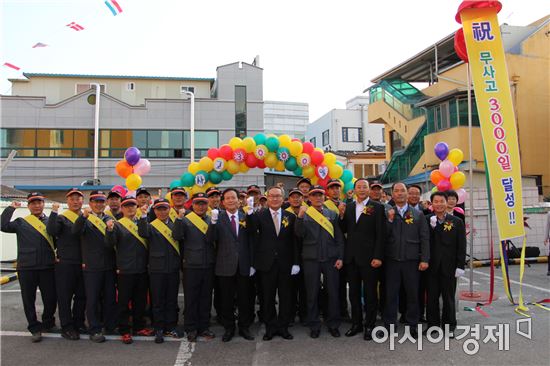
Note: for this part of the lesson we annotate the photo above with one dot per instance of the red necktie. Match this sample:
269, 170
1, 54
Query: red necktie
233, 225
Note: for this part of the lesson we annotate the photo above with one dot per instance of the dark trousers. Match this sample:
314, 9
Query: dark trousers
229, 287
100, 299
132, 287
29, 281
397, 273
197, 290
422, 293
312, 274
299, 296
164, 289
217, 301
363, 280
343, 292
277, 280
442, 286
71, 295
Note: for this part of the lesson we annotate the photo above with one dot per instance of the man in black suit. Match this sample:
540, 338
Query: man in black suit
407, 253
276, 260
233, 265
447, 259
363, 221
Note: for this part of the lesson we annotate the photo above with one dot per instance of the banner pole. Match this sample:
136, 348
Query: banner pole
471, 174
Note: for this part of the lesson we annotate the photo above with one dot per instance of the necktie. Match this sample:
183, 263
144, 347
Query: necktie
276, 222
233, 225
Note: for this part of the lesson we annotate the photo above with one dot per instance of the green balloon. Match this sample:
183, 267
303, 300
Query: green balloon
215, 177
226, 175
341, 164
298, 172
272, 144
347, 176
291, 164
175, 183
204, 174
187, 180
260, 139
348, 186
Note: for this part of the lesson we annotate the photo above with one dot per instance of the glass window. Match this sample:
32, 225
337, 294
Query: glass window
326, 137
313, 141
240, 111
54, 138
121, 139
164, 139
140, 139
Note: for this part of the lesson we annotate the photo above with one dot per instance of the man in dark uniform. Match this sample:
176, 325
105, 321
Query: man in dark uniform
407, 254
364, 223
233, 265
214, 199
71, 295
304, 185
132, 253
35, 261
322, 253
198, 265
276, 260
98, 267
447, 259
164, 269
179, 197
114, 198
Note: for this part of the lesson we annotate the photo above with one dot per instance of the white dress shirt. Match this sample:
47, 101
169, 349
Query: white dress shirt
359, 206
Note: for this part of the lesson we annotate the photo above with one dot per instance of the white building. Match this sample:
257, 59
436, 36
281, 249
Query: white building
290, 118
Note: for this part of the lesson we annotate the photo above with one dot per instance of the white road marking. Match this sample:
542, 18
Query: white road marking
85, 336
515, 282
184, 353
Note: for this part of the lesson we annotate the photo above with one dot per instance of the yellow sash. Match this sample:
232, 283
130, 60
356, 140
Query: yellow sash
166, 232
304, 203
209, 210
321, 220
173, 214
289, 209
140, 212
71, 216
110, 213
198, 222
133, 229
41, 228
331, 206
98, 223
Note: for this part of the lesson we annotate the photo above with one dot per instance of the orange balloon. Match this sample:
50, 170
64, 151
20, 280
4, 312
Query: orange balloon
123, 169
436, 176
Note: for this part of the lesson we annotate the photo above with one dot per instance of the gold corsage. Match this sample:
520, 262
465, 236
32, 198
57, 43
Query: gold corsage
242, 224
447, 226
368, 210
408, 218
285, 222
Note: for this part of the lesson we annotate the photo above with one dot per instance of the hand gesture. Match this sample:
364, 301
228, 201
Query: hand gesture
250, 202
144, 209
86, 212
342, 209
214, 215
302, 212
55, 206
375, 263
181, 213
391, 215
16, 204
110, 225
422, 266
339, 264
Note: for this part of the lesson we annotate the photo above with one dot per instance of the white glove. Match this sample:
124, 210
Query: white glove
250, 204
143, 216
433, 221
252, 271
214, 215
295, 270
459, 272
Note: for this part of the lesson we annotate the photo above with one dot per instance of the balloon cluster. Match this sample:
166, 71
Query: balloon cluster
448, 176
264, 151
132, 167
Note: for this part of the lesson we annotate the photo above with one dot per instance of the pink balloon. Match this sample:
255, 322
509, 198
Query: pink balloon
462, 195
444, 185
130, 194
142, 167
446, 168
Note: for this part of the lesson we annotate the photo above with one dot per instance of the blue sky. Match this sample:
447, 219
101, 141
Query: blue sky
322, 53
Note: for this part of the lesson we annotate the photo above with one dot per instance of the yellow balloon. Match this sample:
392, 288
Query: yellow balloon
335, 171
168, 196
284, 141
457, 180
308, 171
243, 168
232, 166
330, 159
320, 150
455, 156
303, 160
207, 185
295, 148
235, 142
193, 168
314, 180
197, 189
271, 160
206, 164
280, 167
249, 144
133, 182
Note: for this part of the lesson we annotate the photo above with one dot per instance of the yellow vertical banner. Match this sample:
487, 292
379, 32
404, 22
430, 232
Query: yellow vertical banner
496, 117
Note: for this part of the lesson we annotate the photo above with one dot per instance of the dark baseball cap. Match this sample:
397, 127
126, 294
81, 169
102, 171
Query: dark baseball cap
317, 189
253, 188
142, 190
178, 190
34, 196
74, 190
295, 190
200, 197
212, 191
97, 196
129, 200
303, 180
161, 202
334, 182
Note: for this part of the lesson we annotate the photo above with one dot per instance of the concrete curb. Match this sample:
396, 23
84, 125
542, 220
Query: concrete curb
496, 262
8, 279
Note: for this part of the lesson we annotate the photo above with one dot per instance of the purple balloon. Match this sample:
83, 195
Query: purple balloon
132, 155
441, 150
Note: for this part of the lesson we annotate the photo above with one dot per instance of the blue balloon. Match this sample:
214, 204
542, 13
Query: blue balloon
187, 180
291, 164
298, 172
175, 183
347, 176
260, 139
215, 177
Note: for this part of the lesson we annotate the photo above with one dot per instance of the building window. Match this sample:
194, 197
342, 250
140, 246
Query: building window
240, 111
204, 140
313, 140
80, 88
187, 88
326, 138
397, 142
383, 135
350, 134
130, 86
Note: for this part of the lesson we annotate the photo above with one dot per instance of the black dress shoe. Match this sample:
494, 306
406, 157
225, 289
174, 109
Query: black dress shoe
268, 336
315, 333
334, 332
286, 335
245, 333
354, 330
423, 319
228, 335
414, 332
367, 336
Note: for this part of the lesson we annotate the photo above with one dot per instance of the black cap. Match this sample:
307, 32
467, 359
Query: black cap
200, 197
161, 202
303, 180
262, 197
128, 200
142, 190
73, 190
376, 184
253, 188
242, 193
97, 196
34, 196
114, 193
334, 182
295, 190
178, 189
212, 191
317, 189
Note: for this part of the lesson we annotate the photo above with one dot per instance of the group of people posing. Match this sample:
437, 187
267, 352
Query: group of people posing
108, 266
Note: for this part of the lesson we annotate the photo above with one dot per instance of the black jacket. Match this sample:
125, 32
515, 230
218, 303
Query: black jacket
408, 241
131, 254
67, 242
317, 243
198, 251
97, 253
163, 258
447, 246
33, 250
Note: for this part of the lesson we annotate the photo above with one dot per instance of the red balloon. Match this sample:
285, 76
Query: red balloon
460, 45
444, 185
323, 182
296, 139
317, 157
239, 155
307, 147
226, 152
213, 153
261, 164
251, 161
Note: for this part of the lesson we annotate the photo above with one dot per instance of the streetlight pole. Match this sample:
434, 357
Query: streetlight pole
192, 122
96, 130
